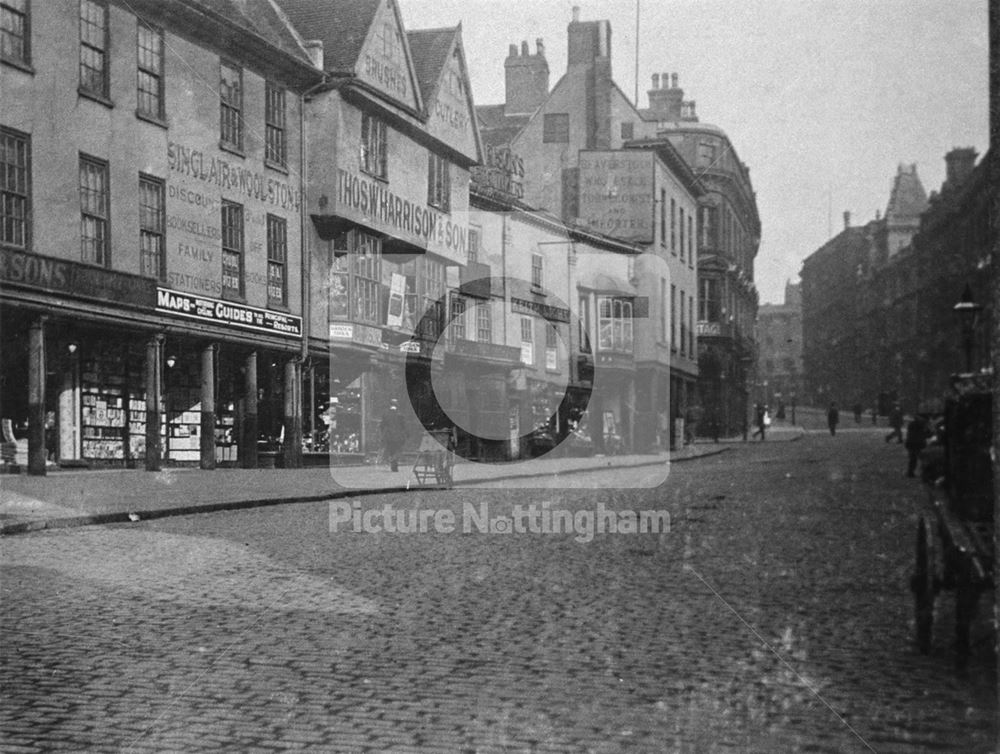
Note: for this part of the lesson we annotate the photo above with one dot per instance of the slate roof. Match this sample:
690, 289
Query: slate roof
262, 18
429, 50
342, 25
497, 129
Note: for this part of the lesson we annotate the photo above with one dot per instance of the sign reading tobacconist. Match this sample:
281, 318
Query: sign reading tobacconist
199, 181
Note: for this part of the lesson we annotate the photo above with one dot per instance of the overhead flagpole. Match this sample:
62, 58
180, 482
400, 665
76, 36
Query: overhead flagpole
637, 53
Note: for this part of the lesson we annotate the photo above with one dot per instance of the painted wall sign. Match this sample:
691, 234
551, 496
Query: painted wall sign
362, 334
371, 203
81, 280
502, 171
616, 194
227, 313
231, 176
552, 313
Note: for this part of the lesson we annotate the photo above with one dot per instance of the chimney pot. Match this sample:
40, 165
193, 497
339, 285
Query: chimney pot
665, 80
540, 46
847, 220
576, 13
512, 51
656, 81
524, 48
673, 80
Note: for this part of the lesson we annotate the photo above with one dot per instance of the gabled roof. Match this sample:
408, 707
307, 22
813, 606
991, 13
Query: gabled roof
342, 25
262, 18
430, 49
908, 198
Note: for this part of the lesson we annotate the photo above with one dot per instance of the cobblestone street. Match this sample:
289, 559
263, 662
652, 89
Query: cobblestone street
774, 616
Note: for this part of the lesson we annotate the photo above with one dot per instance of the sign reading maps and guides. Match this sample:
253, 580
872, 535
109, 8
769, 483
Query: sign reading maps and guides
227, 313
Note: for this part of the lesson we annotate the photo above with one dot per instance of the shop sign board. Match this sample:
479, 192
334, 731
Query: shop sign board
53, 275
364, 335
380, 206
229, 313
616, 193
546, 311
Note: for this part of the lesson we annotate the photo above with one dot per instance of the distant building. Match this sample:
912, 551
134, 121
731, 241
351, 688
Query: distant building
779, 335
878, 319
728, 238
573, 151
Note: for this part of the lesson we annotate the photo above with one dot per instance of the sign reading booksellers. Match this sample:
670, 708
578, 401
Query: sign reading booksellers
227, 313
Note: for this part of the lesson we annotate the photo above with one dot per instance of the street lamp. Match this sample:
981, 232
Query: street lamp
968, 312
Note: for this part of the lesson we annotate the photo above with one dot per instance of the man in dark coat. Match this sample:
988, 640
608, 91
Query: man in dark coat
832, 418
896, 422
393, 430
916, 441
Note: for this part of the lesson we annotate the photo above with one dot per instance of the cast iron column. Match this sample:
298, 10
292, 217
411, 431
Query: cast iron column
37, 454
293, 414
154, 388
248, 454
207, 440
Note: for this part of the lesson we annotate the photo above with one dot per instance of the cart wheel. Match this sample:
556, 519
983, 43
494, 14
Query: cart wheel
924, 585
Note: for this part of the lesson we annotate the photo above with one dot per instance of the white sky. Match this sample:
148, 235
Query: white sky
822, 99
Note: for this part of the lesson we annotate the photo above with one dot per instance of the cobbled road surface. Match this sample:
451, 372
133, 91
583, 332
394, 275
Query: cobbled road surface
774, 616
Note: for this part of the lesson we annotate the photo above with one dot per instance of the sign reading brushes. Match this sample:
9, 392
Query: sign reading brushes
216, 311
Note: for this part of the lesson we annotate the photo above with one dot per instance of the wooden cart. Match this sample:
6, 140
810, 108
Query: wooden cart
955, 535
435, 459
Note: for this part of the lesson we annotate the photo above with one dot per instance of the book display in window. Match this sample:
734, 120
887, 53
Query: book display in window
184, 413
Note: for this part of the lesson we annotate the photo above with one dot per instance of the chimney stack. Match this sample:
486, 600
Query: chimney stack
847, 220
666, 101
526, 79
959, 164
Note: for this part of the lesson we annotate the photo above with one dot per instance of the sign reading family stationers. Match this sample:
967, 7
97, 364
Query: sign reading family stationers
229, 313
199, 181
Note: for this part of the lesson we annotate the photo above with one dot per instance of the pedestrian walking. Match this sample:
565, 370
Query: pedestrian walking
760, 417
832, 418
916, 440
857, 413
393, 430
896, 422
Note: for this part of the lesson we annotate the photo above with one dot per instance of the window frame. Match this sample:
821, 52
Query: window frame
484, 322
9, 194
84, 86
277, 258
158, 75
555, 128
475, 243
438, 182
457, 323
23, 60
528, 340
673, 226
233, 243
537, 270
157, 230
617, 323
275, 126
100, 218
374, 146
231, 108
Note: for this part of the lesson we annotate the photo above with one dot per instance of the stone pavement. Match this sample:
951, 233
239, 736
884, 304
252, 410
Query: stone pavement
79, 498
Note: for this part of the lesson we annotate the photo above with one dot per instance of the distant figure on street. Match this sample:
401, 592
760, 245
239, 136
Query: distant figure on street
916, 440
393, 430
857, 413
760, 415
874, 416
832, 418
896, 422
